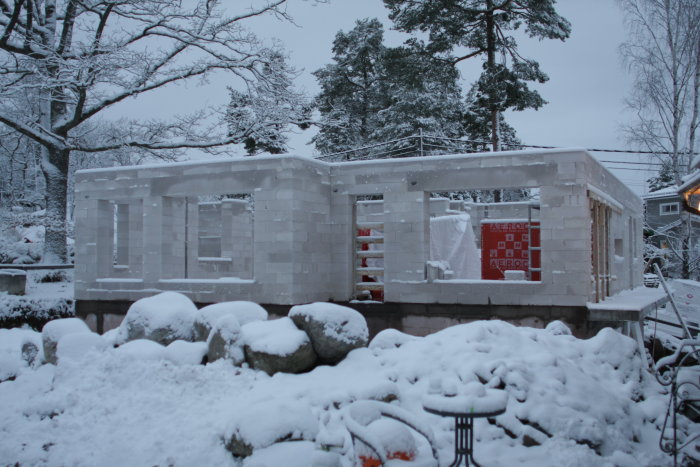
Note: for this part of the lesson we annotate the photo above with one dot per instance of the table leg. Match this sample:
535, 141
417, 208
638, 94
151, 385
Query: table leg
464, 442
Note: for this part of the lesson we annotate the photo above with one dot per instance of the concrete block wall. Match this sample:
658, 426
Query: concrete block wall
303, 223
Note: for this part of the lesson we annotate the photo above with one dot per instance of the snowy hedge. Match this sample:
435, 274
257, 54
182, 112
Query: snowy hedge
16, 311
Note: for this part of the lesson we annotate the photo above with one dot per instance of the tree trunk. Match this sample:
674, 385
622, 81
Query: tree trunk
491, 65
55, 168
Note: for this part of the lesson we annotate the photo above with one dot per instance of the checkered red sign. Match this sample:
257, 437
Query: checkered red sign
504, 247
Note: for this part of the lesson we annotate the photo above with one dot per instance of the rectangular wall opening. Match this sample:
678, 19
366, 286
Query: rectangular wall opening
485, 235
120, 240
220, 236
368, 248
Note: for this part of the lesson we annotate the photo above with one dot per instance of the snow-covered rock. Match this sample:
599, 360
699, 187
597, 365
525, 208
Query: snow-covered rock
142, 349
244, 311
277, 345
163, 318
334, 330
55, 330
558, 328
390, 339
225, 340
76, 346
19, 350
266, 425
186, 353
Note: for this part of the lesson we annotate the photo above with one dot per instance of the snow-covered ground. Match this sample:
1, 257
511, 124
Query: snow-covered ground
578, 402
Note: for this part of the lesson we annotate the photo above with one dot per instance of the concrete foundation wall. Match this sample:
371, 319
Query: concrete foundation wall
295, 245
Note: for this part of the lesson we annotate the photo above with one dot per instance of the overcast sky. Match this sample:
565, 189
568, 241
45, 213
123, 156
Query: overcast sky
586, 90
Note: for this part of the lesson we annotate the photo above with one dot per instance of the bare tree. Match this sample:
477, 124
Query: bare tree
663, 53
79, 58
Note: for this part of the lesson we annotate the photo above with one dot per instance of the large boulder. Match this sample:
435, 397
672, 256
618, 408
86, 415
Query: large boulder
245, 312
334, 330
162, 318
225, 341
277, 345
55, 330
263, 425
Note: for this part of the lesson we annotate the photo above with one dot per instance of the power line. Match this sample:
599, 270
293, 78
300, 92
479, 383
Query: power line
636, 163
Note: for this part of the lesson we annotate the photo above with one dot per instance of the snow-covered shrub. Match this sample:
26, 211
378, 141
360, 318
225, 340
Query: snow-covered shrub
334, 330
163, 318
51, 276
16, 311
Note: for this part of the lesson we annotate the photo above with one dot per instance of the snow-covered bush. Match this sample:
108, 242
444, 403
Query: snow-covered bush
16, 311
51, 276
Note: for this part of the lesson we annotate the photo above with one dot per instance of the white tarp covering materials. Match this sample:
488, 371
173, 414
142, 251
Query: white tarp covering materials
452, 240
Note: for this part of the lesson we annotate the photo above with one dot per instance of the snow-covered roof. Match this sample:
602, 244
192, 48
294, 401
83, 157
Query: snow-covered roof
668, 192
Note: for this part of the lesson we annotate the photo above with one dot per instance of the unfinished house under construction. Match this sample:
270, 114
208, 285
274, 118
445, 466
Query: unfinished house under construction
408, 242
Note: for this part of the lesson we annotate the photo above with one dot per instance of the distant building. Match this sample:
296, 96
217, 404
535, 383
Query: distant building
662, 216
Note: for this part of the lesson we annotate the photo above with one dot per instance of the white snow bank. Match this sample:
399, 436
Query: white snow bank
276, 337
586, 402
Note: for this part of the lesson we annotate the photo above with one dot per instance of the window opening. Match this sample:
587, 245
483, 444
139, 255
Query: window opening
220, 236
120, 241
474, 238
666, 209
369, 248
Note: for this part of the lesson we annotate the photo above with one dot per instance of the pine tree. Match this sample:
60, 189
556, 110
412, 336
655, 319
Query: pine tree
373, 93
481, 27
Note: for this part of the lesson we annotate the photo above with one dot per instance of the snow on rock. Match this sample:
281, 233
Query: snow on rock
19, 350
277, 345
334, 330
186, 353
558, 328
163, 318
225, 340
260, 427
244, 311
55, 330
77, 346
390, 339
142, 349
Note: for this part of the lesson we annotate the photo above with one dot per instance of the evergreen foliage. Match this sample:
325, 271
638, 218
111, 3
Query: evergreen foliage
481, 28
372, 93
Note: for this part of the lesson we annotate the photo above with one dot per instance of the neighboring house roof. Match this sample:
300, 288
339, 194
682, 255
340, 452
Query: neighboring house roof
668, 192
